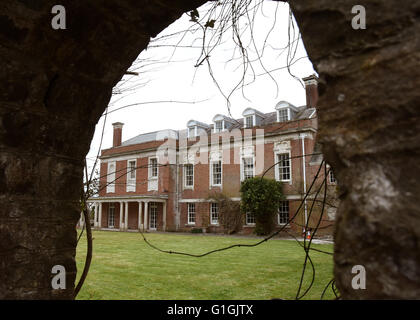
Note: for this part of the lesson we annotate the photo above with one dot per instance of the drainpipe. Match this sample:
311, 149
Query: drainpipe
302, 136
177, 217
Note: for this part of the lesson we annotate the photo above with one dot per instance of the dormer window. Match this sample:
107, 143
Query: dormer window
252, 117
283, 115
286, 111
191, 132
218, 126
196, 128
221, 123
249, 121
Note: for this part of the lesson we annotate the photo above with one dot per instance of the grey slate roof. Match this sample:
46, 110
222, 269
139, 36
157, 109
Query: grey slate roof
270, 117
152, 136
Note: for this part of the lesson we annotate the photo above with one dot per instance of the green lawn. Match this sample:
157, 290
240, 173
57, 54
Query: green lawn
125, 267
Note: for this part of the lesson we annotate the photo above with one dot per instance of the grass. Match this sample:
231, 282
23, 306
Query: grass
125, 267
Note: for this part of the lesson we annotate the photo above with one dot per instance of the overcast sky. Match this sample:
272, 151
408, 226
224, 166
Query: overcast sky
167, 74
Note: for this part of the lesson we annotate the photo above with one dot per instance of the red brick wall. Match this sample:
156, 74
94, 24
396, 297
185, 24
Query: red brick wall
133, 215
117, 137
142, 173
202, 190
105, 210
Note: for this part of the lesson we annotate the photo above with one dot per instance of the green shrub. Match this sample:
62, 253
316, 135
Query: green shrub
261, 197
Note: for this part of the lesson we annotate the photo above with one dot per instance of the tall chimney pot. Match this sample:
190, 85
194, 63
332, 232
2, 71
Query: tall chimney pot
116, 142
311, 86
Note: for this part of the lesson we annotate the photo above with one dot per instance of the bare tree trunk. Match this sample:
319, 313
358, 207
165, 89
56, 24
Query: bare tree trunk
55, 85
369, 127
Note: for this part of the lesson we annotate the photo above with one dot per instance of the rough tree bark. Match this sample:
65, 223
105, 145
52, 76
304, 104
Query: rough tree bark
56, 84
369, 127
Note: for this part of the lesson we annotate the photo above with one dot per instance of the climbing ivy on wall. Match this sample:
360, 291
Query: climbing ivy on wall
261, 197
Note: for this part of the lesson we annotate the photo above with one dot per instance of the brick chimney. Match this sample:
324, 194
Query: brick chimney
117, 134
311, 86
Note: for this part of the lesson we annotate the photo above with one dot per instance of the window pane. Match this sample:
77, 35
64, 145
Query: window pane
153, 215
132, 169
248, 167
283, 212
189, 175
250, 218
283, 115
284, 166
111, 216
332, 177
249, 121
191, 213
217, 172
111, 173
153, 167
110, 179
214, 213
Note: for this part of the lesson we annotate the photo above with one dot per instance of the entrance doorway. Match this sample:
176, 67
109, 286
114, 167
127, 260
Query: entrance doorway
153, 216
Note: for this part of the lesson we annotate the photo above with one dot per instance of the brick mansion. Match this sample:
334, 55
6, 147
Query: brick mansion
164, 180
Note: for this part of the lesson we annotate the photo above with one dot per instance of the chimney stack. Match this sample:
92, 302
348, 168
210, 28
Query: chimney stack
311, 86
116, 142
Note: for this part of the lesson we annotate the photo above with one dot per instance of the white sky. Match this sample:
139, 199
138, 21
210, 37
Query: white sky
174, 78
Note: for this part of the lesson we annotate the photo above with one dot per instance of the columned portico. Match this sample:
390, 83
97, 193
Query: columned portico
150, 213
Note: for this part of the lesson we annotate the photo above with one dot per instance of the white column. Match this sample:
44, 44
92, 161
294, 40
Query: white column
164, 216
140, 222
100, 215
121, 215
146, 215
95, 224
126, 216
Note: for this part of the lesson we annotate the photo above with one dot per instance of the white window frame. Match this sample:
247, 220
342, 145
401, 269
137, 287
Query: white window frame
281, 207
331, 178
212, 184
253, 121
219, 129
247, 218
131, 182
186, 186
214, 212
277, 167
151, 176
193, 129
191, 205
110, 177
218, 118
287, 115
243, 166
153, 211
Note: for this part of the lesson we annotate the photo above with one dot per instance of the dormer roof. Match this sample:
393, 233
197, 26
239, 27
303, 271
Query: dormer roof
252, 111
193, 123
219, 117
284, 104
